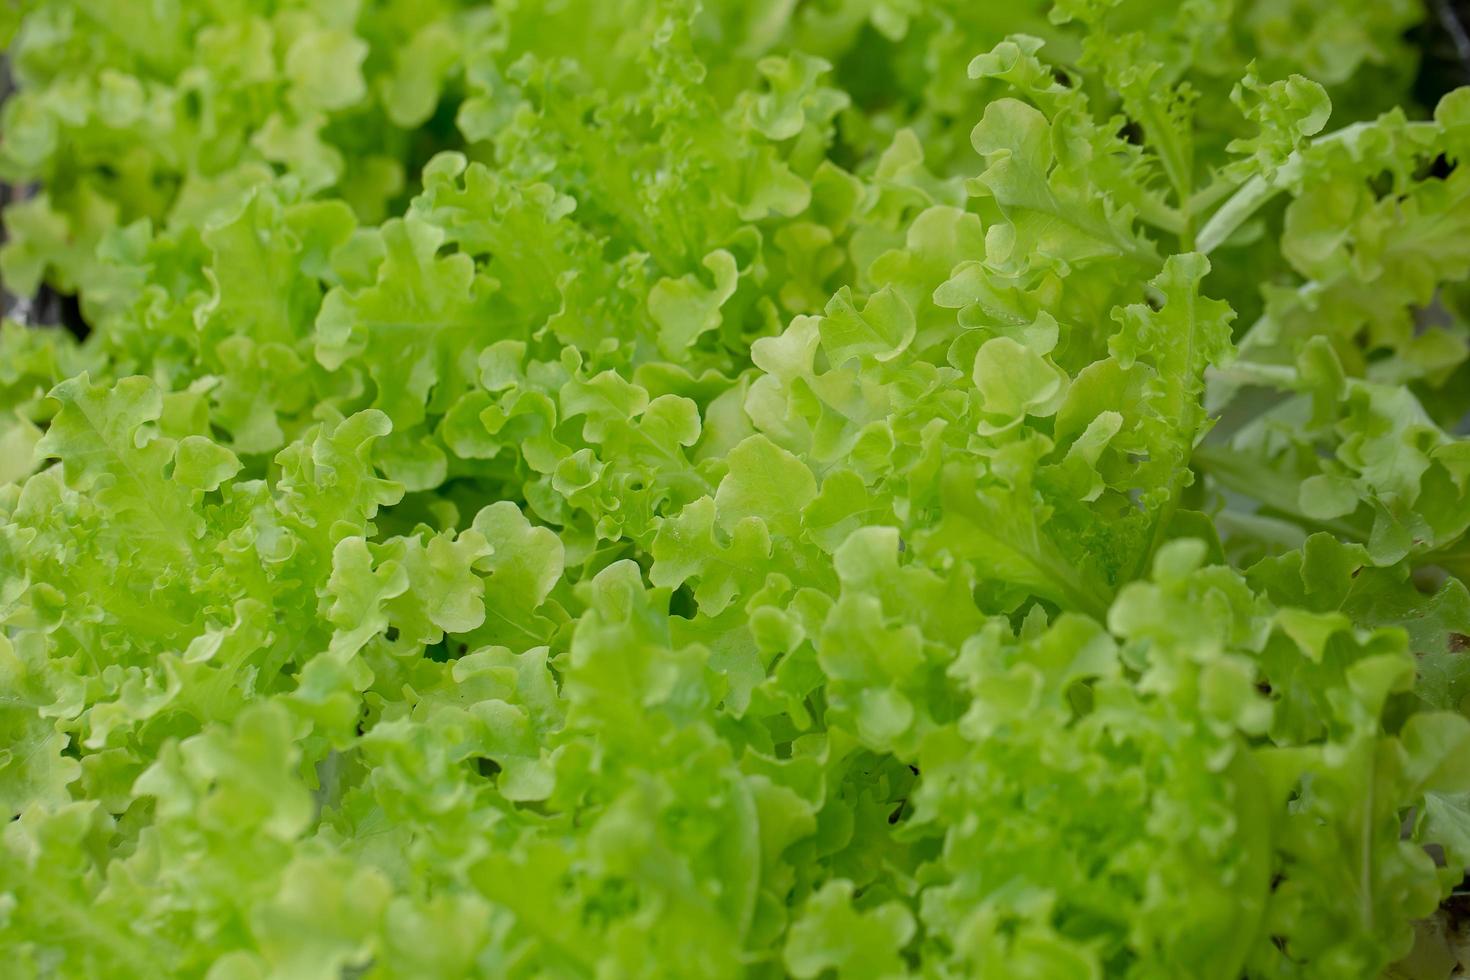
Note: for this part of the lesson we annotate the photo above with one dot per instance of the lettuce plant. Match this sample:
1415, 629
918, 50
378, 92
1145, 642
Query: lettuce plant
863, 488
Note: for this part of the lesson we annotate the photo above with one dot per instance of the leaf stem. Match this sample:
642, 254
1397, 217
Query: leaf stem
1256, 191
1235, 212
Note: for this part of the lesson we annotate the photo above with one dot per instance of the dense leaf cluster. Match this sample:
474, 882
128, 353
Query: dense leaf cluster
859, 488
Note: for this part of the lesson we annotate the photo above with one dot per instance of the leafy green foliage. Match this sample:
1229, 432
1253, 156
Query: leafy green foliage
649, 489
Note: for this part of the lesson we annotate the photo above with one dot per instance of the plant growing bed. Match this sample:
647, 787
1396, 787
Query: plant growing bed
815, 488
